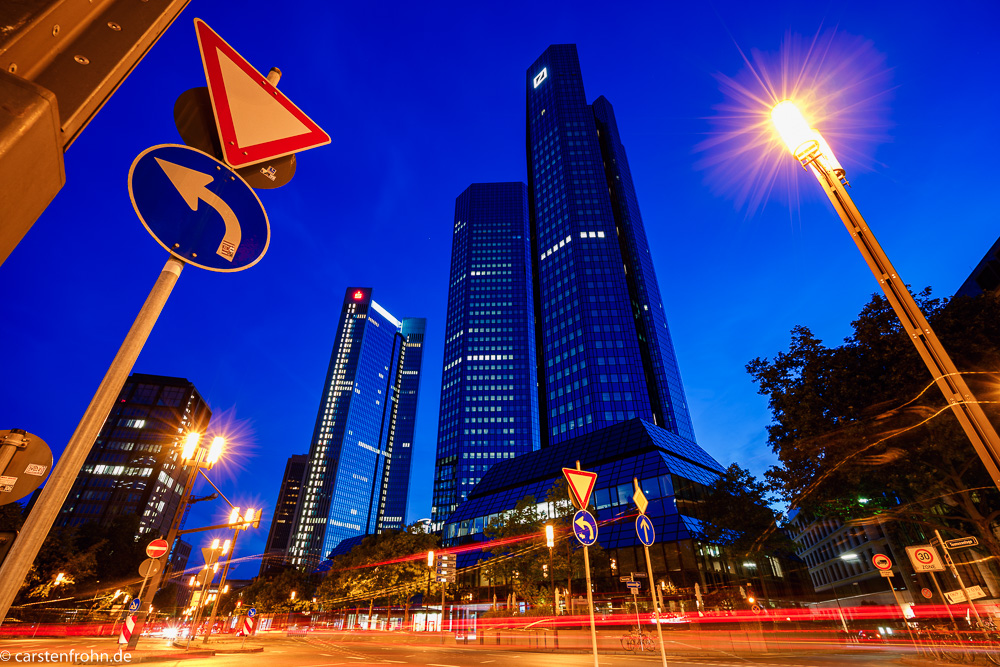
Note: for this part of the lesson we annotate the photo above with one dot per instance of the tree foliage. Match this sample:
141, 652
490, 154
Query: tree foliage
389, 564
859, 426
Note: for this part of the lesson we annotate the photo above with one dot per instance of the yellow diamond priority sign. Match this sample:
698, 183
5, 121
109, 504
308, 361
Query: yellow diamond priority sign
639, 498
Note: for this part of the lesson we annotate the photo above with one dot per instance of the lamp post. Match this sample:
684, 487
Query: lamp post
810, 149
430, 568
195, 457
550, 541
250, 519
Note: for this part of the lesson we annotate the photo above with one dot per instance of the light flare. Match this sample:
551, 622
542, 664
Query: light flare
839, 82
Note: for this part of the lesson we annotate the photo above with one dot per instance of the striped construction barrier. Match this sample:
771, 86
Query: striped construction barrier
127, 629
248, 625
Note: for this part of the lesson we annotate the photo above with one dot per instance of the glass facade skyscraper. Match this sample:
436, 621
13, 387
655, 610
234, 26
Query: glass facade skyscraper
359, 458
134, 468
489, 400
604, 349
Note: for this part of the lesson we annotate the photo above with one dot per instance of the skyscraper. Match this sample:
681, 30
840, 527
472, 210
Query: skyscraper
280, 534
359, 459
604, 349
133, 468
489, 400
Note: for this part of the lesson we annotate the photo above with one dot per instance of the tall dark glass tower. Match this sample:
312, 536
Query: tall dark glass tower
489, 400
359, 459
133, 468
605, 354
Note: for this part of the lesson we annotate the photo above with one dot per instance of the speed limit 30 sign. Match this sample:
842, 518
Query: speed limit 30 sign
925, 558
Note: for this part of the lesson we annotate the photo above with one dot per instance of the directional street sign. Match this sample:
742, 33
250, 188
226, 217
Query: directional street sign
882, 562
134, 605
644, 529
624, 578
256, 122
585, 527
925, 558
581, 483
198, 209
251, 612
634, 585
961, 542
445, 568
156, 548
975, 592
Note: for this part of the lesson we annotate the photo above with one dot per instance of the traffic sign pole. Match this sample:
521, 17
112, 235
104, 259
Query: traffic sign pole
652, 585
590, 593
43, 514
954, 570
947, 606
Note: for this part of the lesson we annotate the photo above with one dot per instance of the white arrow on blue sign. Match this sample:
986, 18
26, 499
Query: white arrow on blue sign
644, 529
251, 612
198, 208
585, 527
134, 605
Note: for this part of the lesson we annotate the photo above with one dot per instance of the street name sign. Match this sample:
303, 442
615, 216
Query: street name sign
975, 592
198, 209
624, 578
961, 542
882, 562
585, 527
256, 122
925, 558
581, 483
644, 529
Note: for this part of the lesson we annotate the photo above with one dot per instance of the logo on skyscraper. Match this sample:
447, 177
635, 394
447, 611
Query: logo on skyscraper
359, 295
541, 76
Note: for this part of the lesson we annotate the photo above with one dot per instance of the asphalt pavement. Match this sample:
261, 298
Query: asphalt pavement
392, 649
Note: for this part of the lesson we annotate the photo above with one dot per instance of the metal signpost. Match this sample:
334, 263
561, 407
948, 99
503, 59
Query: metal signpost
446, 574
884, 565
644, 529
581, 483
959, 544
202, 213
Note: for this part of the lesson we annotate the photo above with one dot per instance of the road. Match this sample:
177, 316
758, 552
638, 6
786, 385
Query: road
332, 651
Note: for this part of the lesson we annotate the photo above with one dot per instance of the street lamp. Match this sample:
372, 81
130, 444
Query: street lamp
250, 519
810, 149
196, 457
550, 541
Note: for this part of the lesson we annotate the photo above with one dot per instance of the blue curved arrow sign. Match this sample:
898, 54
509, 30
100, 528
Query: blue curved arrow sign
198, 208
585, 527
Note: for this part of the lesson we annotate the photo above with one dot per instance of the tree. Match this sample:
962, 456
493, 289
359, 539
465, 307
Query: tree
857, 427
519, 535
740, 519
391, 565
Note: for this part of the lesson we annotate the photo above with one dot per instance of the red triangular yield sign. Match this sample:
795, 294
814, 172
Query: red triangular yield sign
256, 122
581, 483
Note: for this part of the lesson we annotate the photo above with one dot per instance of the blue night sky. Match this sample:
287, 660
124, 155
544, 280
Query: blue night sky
423, 99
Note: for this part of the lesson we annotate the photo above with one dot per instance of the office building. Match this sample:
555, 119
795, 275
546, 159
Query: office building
359, 459
604, 350
133, 467
280, 534
489, 399
985, 277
